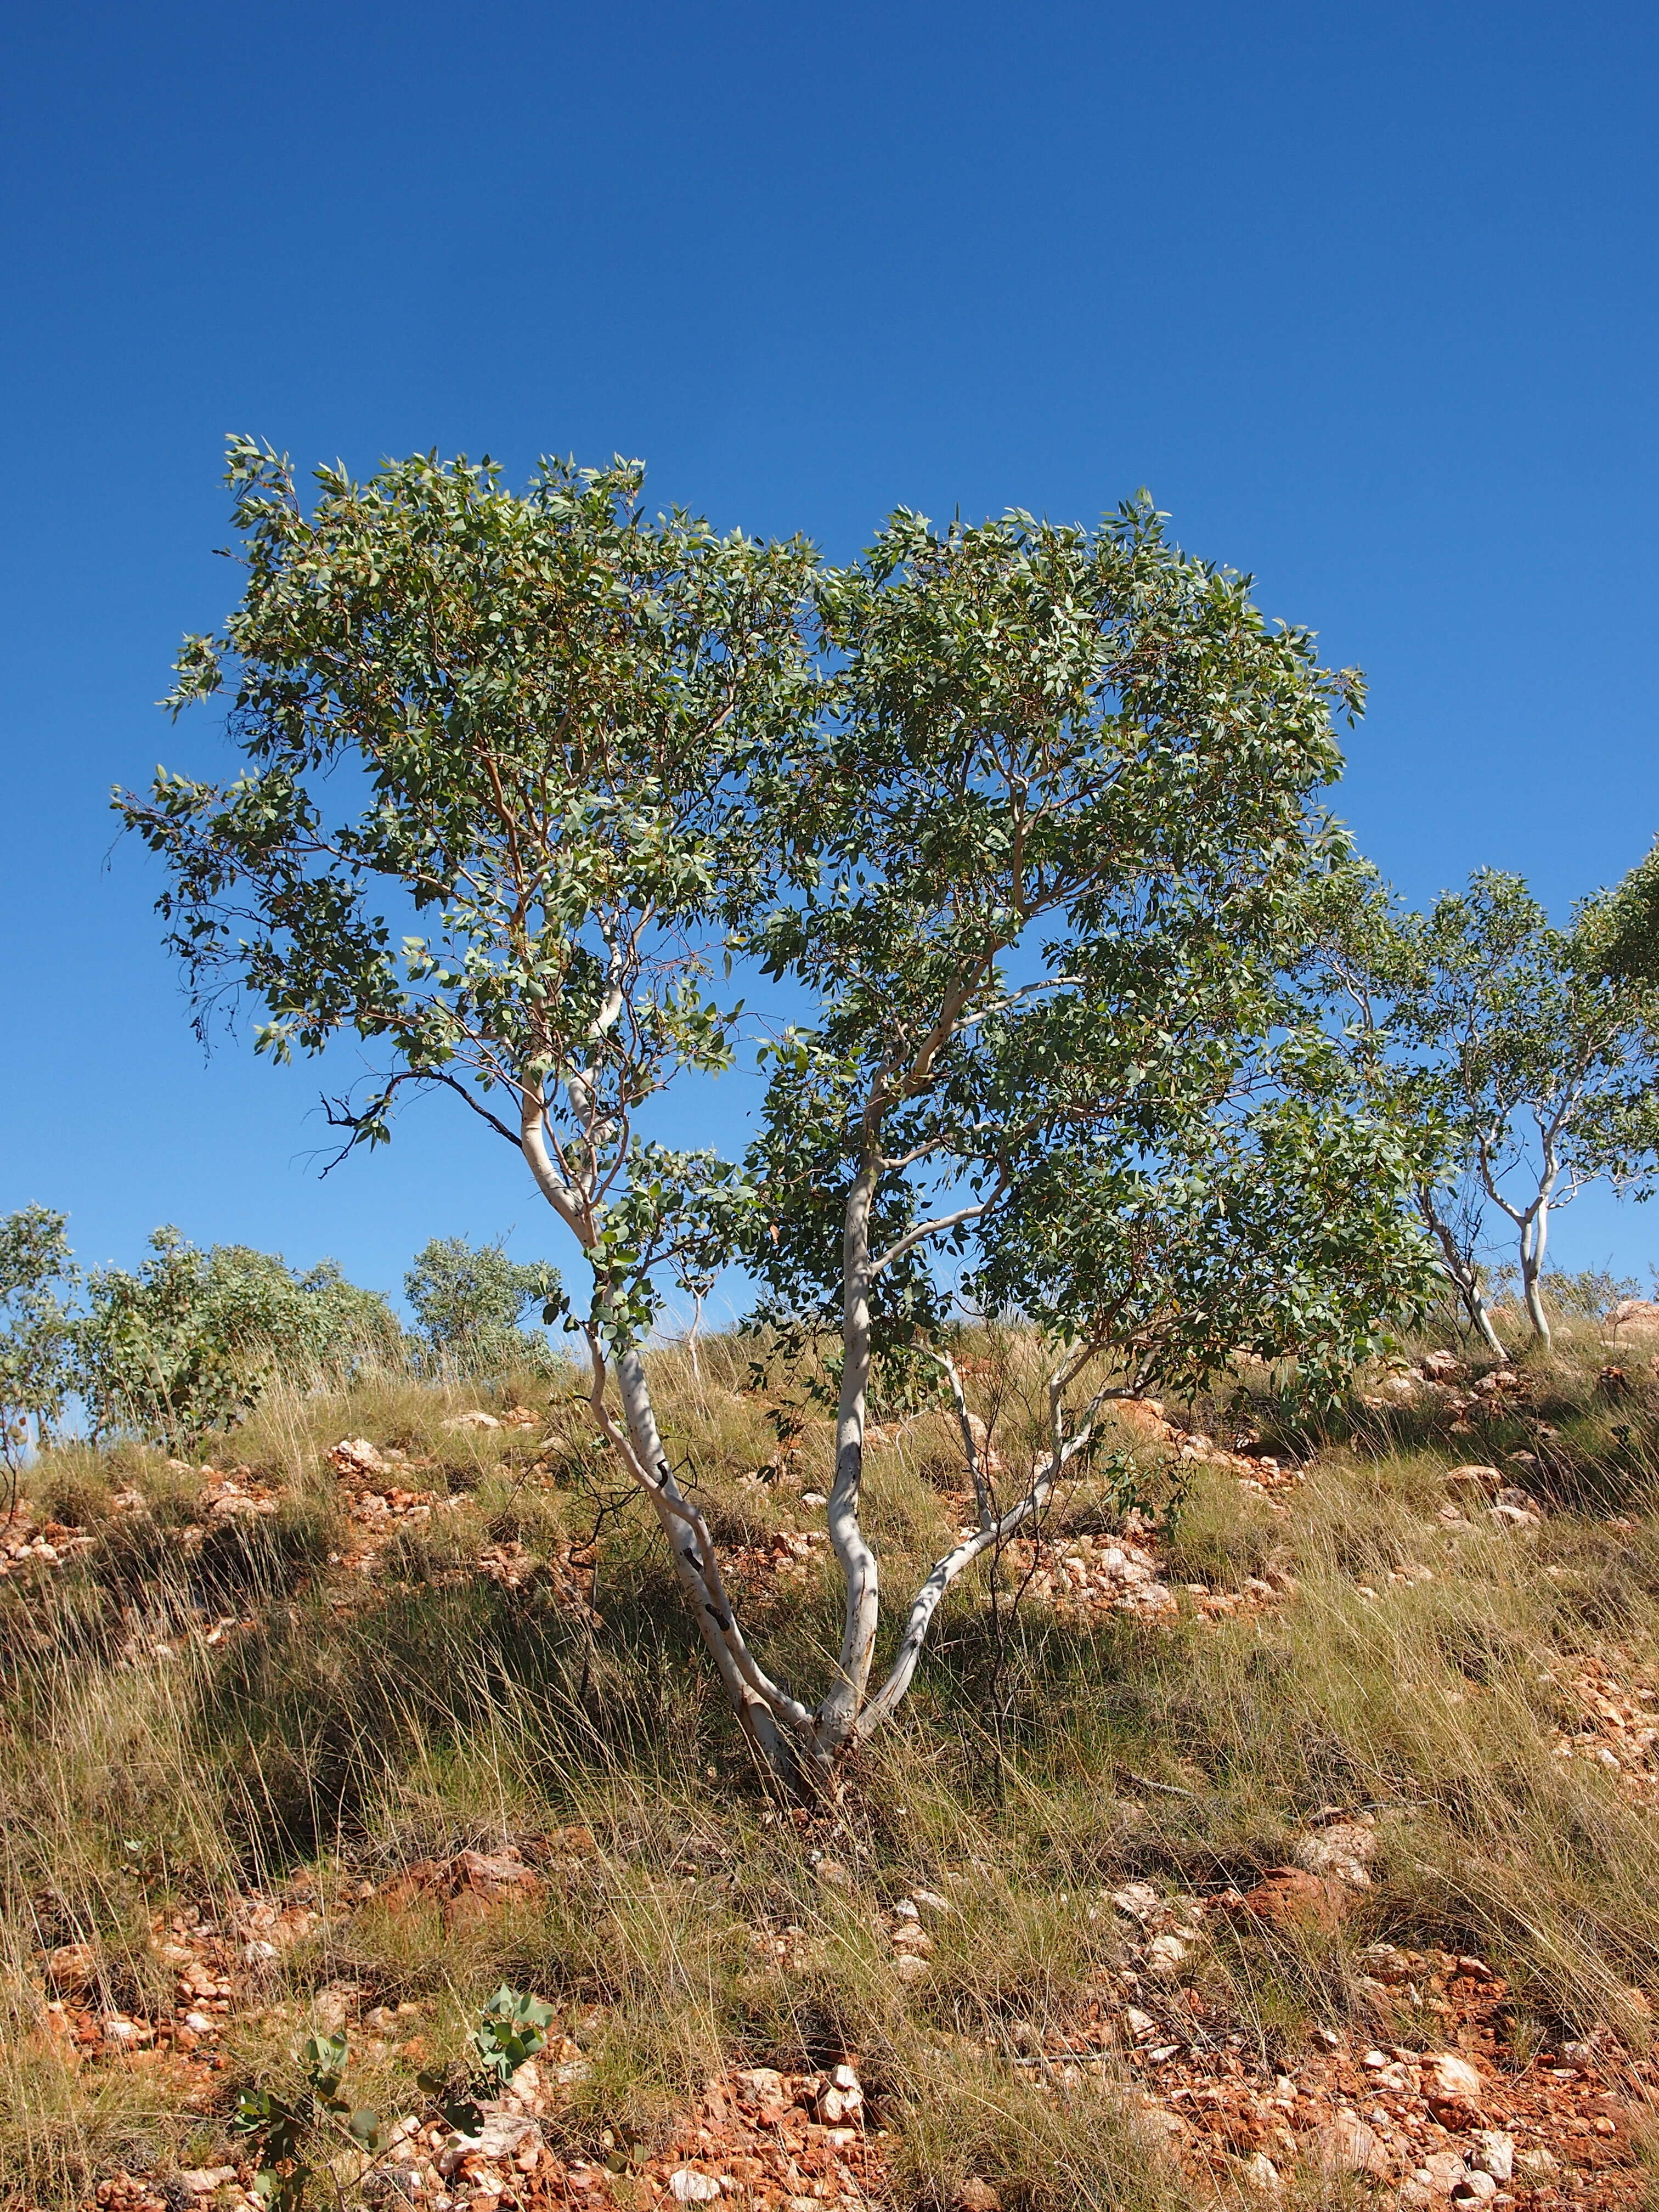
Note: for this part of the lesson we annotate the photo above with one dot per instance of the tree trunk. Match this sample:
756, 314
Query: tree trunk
839, 1712
1533, 1234
1464, 1274
691, 1548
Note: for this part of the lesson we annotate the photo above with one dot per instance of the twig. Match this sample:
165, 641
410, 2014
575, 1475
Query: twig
1163, 1789
1062, 2058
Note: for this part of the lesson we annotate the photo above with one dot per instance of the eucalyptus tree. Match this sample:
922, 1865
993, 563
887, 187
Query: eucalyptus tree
1363, 978
1627, 931
38, 1278
509, 762
1536, 1051
468, 1301
190, 1340
1067, 811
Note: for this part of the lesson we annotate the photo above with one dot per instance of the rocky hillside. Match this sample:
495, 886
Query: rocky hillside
372, 1833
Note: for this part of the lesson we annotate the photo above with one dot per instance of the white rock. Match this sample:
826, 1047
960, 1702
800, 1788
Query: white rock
1475, 2188
1494, 2153
1261, 2174
1136, 1900
1442, 2172
475, 1420
1164, 1955
1350, 2146
764, 2083
503, 2133
1453, 2077
358, 1452
910, 1968
1487, 1479
1342, 1851
687, 2186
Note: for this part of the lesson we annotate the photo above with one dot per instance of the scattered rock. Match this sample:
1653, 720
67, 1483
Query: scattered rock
1342, 1850
356, 1455
1454, 2079
1145, 1417
1475, 2188
976, 2196
1290, 1897
1494, 2153
72, 1968
1443, 2171
687, 2186
475, 1420
1348, 2145
1164, 1956
1488, 1480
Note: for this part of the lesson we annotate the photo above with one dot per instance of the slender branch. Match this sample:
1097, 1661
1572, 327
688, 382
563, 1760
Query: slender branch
924, 1230
969, 1444
1063, 1450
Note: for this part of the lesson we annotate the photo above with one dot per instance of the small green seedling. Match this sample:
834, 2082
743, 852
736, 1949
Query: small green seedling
512, 2027
278, 2131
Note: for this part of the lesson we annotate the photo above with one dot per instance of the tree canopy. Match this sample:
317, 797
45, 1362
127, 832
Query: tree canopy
1029, 814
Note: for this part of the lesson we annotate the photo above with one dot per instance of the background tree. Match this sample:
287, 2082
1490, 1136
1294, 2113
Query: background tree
1072, 841
190, 1340
509, 768
468, 1301
1362, 968
1536, 1061
37, 1331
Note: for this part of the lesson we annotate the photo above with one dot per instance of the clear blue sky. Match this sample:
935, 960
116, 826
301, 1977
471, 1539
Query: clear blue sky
1365, 296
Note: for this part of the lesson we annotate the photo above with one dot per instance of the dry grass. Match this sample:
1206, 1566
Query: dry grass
333, 1742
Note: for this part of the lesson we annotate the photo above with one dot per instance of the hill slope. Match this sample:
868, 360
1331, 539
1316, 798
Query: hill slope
1305, 1852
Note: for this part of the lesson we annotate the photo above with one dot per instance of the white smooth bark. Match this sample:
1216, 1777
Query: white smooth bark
1464, 1278
1063, 1450
859, 1573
